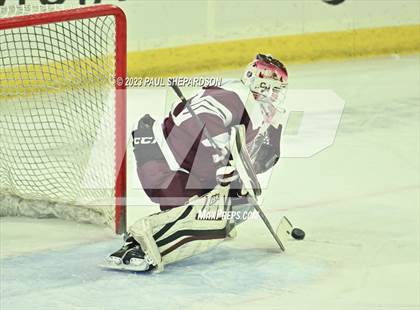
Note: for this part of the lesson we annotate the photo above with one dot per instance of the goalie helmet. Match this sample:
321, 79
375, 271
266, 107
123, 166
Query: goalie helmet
266, 77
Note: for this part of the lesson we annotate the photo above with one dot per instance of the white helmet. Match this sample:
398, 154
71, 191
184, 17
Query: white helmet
266, 78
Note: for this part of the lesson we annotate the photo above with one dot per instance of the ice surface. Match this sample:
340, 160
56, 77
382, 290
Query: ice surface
358, 202
72, 279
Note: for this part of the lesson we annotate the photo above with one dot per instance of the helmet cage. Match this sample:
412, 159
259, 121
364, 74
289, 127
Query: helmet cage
266, 77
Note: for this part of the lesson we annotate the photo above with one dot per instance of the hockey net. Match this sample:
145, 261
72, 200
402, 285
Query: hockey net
62, 116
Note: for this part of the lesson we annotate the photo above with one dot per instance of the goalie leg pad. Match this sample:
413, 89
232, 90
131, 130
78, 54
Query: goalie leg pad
178, 233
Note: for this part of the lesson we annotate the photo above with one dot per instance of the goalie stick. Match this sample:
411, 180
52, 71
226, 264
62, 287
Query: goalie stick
245, 169
285, 227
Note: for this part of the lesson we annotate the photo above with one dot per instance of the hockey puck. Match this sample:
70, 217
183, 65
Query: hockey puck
333, 2
298, 234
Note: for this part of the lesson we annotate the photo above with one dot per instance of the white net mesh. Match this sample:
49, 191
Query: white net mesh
18, 10
57, 115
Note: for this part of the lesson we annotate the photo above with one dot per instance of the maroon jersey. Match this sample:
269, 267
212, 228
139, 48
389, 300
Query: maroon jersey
175, 160
219, 109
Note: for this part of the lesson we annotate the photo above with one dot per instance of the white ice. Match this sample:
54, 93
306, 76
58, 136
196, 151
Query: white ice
358, 201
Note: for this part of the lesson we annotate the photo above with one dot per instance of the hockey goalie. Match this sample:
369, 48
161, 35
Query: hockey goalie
191, 165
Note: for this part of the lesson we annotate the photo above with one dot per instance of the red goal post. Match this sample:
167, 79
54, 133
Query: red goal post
120, 63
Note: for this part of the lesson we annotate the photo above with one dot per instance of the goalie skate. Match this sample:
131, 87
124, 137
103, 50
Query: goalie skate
140, 267
130, 257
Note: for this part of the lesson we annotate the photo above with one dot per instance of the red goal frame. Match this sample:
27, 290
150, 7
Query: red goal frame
37, 19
